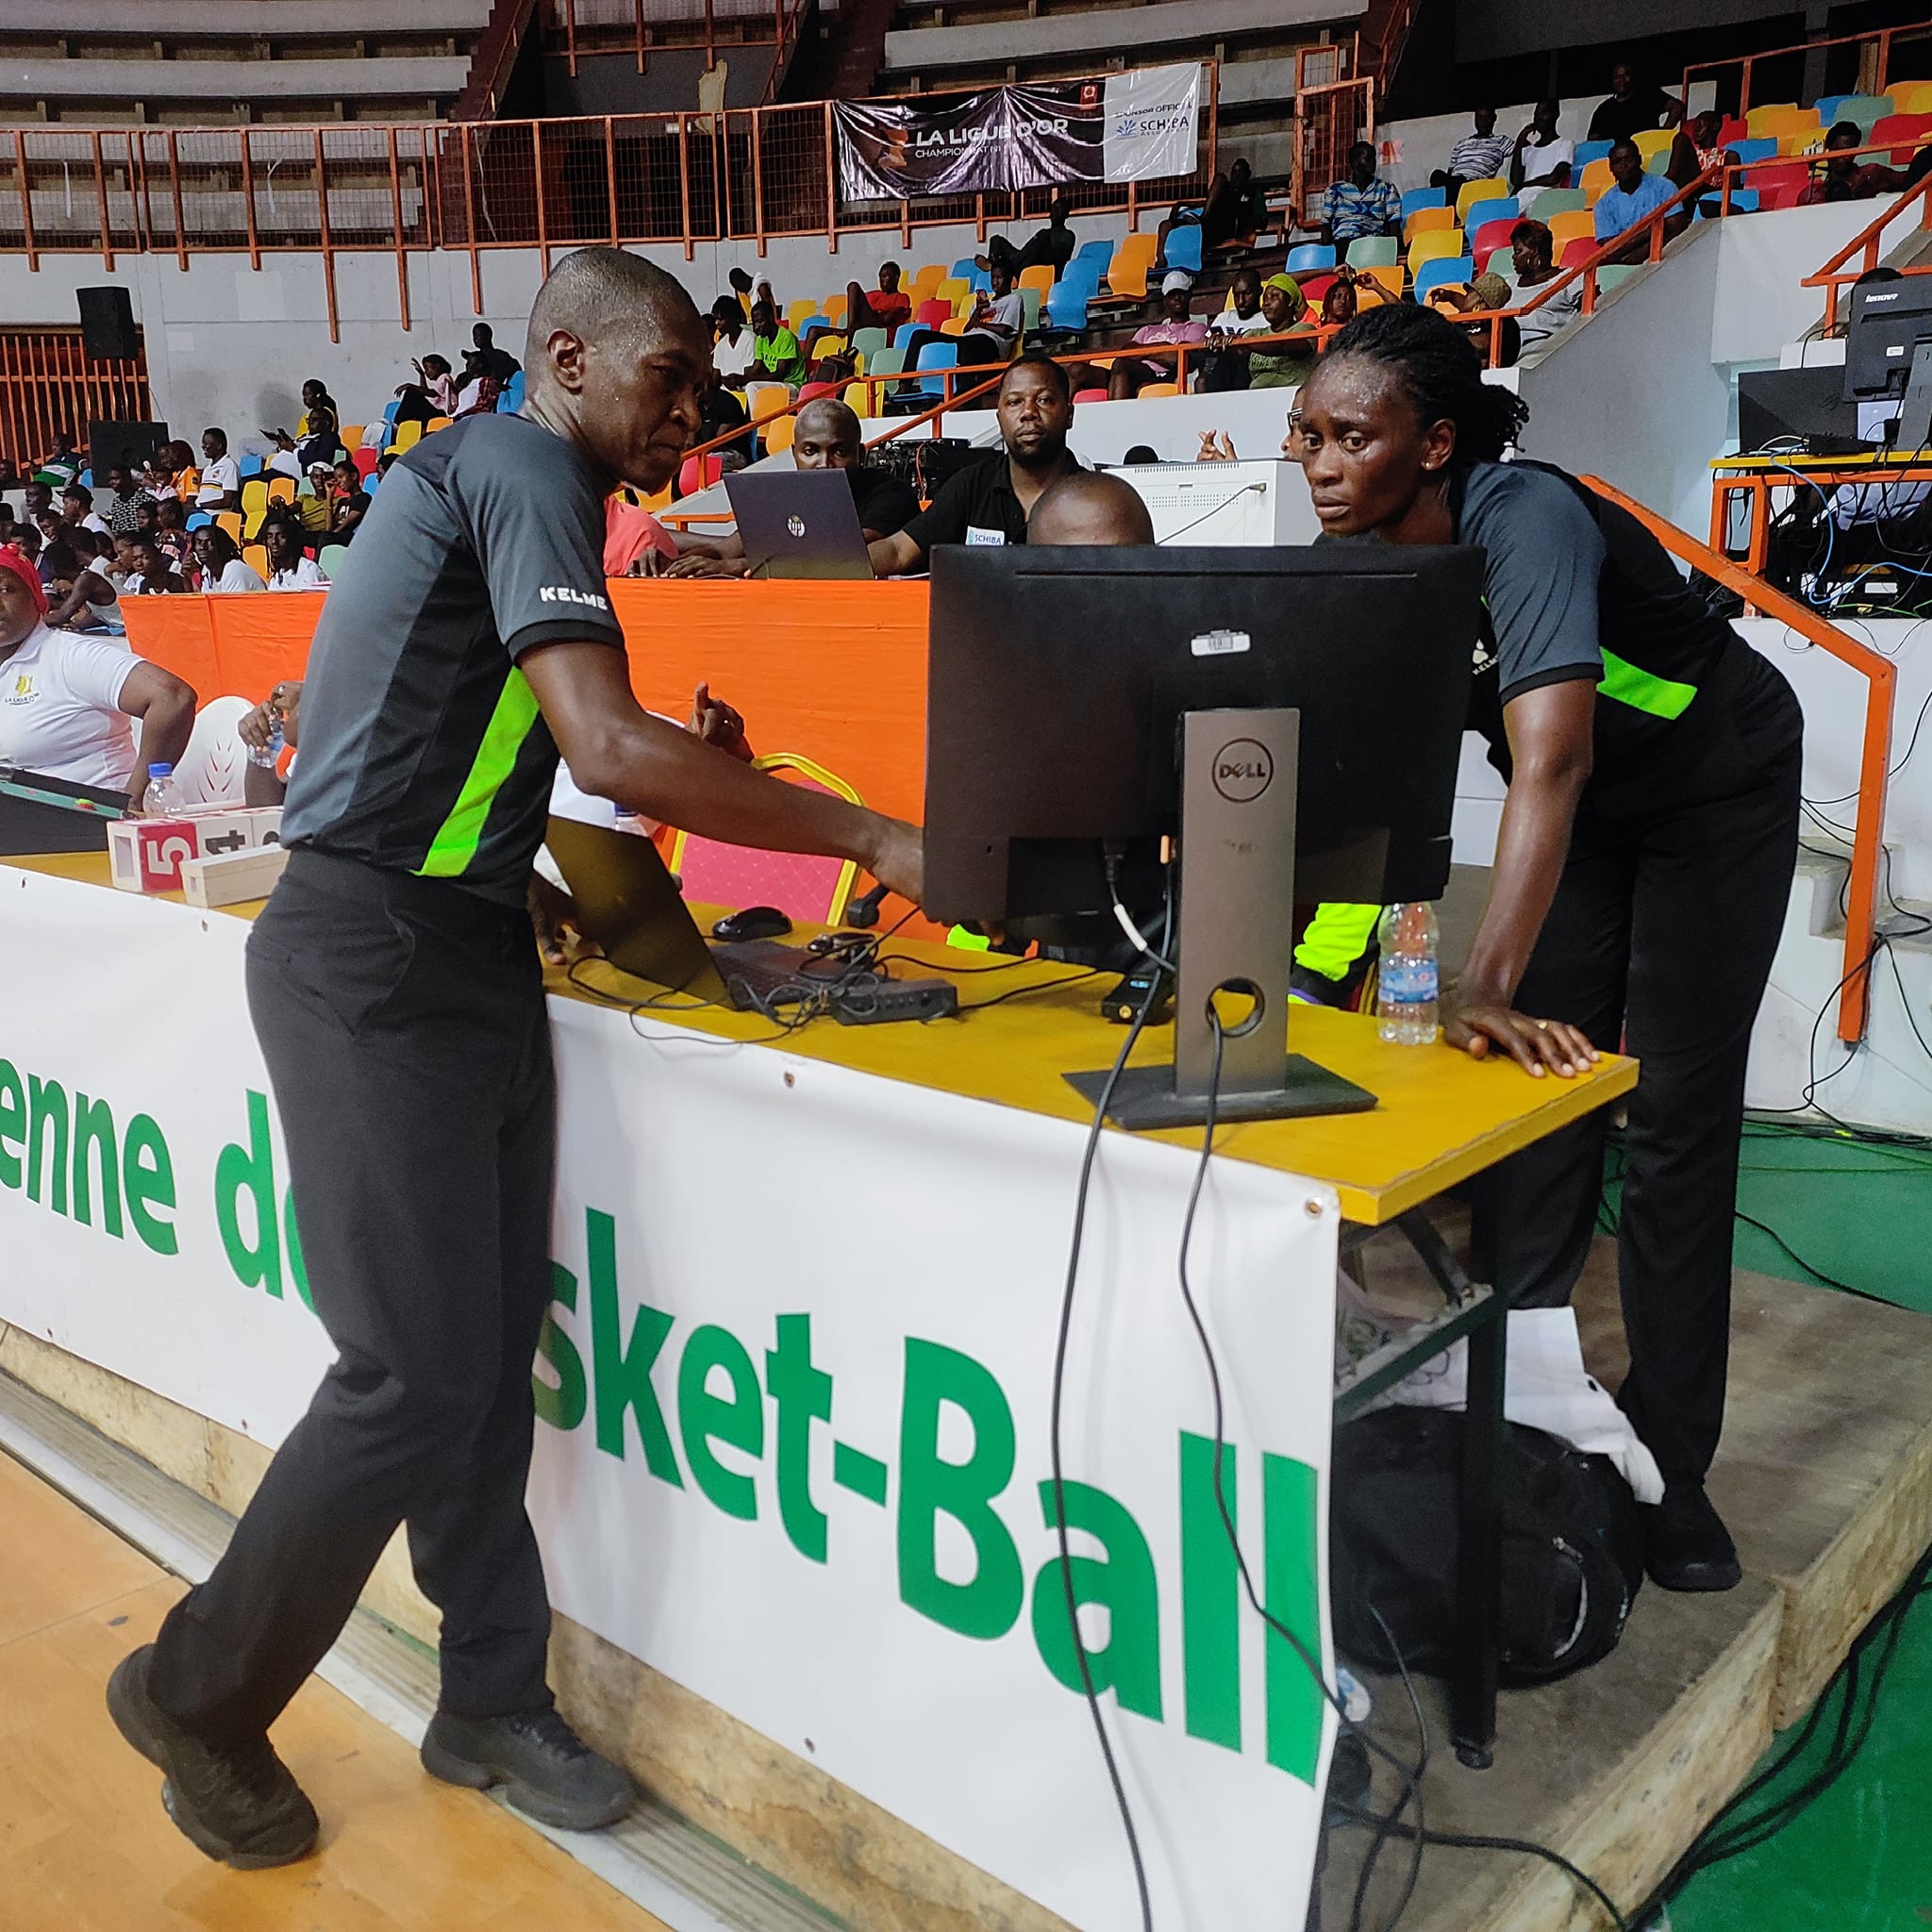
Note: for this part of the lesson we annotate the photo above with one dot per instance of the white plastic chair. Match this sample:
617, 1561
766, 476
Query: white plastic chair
214, 768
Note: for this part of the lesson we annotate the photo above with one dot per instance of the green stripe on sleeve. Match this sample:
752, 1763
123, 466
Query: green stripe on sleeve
1643, 691
454, 847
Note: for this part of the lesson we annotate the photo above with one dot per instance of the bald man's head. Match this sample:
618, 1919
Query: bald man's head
1090, 507
826, 437
614, 357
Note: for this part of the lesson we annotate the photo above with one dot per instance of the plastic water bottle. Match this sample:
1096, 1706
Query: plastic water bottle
265, 755
163, 797
1405, 999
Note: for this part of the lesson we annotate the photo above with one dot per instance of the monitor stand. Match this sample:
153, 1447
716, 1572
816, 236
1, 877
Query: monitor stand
1238, 776
1913, 428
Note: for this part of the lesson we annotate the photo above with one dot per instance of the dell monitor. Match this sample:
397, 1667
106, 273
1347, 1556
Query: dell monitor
1301, 709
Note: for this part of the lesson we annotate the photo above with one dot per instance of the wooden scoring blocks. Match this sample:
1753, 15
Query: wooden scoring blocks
226, 878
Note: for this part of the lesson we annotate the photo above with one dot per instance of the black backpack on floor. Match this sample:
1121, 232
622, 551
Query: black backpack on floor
1572, 1546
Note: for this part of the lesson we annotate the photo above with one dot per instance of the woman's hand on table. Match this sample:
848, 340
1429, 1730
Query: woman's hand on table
1538, 1046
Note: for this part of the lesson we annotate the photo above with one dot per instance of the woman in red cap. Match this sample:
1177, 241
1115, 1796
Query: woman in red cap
68, 703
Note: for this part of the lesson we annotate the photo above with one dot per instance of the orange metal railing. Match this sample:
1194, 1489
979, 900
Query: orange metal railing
745, 173
1881, 680
1865, 245
1875, 66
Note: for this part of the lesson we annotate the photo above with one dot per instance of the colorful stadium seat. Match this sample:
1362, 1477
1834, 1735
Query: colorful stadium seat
1505, 207
1491, 188
1428, 221
1441, 269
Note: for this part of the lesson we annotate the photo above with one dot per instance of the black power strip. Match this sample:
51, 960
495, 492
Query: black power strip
875, 1002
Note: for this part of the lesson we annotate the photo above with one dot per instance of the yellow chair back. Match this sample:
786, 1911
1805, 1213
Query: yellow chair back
1492, 189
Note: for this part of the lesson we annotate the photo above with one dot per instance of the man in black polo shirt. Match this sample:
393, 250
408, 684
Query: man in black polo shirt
395, 990
988, 501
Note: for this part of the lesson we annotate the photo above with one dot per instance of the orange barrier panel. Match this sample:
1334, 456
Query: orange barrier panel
836, 671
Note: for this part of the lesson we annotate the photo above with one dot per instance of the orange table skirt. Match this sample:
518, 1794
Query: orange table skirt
834, 671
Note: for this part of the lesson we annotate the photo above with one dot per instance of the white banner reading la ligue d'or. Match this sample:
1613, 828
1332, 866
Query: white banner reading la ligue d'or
795, 1396
1152, 115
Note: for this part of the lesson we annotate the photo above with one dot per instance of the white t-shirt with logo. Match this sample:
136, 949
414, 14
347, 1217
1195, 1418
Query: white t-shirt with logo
221, 477
237, 575
59, 709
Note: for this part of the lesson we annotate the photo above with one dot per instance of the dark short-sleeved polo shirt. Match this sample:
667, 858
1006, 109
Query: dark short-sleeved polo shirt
422, 748
974, 506
1616, 119
885, 504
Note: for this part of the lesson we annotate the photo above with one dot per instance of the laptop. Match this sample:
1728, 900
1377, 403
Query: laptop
39, 815
628, 902
798, 524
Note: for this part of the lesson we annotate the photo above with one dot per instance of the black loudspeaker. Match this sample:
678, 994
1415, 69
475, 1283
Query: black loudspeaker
107, 325
110, 443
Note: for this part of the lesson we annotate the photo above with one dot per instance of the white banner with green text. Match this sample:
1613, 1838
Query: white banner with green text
794, 1448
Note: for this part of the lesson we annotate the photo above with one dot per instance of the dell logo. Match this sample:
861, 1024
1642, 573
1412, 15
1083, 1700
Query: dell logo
1243, 769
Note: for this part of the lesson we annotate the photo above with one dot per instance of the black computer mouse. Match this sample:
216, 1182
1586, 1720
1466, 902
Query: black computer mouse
754, 923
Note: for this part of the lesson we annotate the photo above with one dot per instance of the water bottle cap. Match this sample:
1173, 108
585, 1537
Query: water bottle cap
160, 770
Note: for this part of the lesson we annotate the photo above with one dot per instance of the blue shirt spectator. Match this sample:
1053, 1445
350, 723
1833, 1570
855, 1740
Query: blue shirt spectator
1363, 204
1620, 208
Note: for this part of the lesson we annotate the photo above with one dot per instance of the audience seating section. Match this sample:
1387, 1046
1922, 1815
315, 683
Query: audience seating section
1414, 198
1505, 208
1311, 258
1426, 221
1441, 269
1374, 251
1492, 188
1435, 244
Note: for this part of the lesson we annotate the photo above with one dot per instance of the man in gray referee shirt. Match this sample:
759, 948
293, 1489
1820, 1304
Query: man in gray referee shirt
396, 992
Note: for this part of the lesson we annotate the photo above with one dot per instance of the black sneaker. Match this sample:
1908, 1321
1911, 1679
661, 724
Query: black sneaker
1685, 1545
238, 1804
550, 1773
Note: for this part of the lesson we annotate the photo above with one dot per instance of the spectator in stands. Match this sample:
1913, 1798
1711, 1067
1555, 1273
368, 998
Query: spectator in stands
1224, 367
220, 485
282, 460
1695, 149
1340, 303
1177, 326
289, 568
1532, 251
730, 344
147, 571
53, 528
1235, 211
1363, 204
35, 497
319, 432
171, 531
480, 389
313, 508
1478, 156
64, 460
999, 314
77, 506
1049, 247
27, 539
432, 394
90, 600
1542, 158
719, 411
1485, 295
182, 472
885, 307
1091, 508
1285, 310
126, 496
1631, 109
157, 478
988, 502
1845, 178
71, 700
499, 364
1636, 194
774, 351
222, 568
740, 287
348, 502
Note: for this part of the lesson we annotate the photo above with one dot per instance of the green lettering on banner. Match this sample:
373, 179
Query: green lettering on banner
865, 1475
623, 1375
802, 1394
94, 1127
46, 1103
1294, 1699
250, 1171
12, 1124
292, 1246
1210, 1597
930, 1488
704, 1417
1129, 1664
147, 1184
561, 1405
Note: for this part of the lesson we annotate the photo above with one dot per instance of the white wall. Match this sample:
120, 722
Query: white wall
232, 345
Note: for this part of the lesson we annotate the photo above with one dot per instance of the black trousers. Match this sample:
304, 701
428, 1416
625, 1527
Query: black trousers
1660, 940
405, 1031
